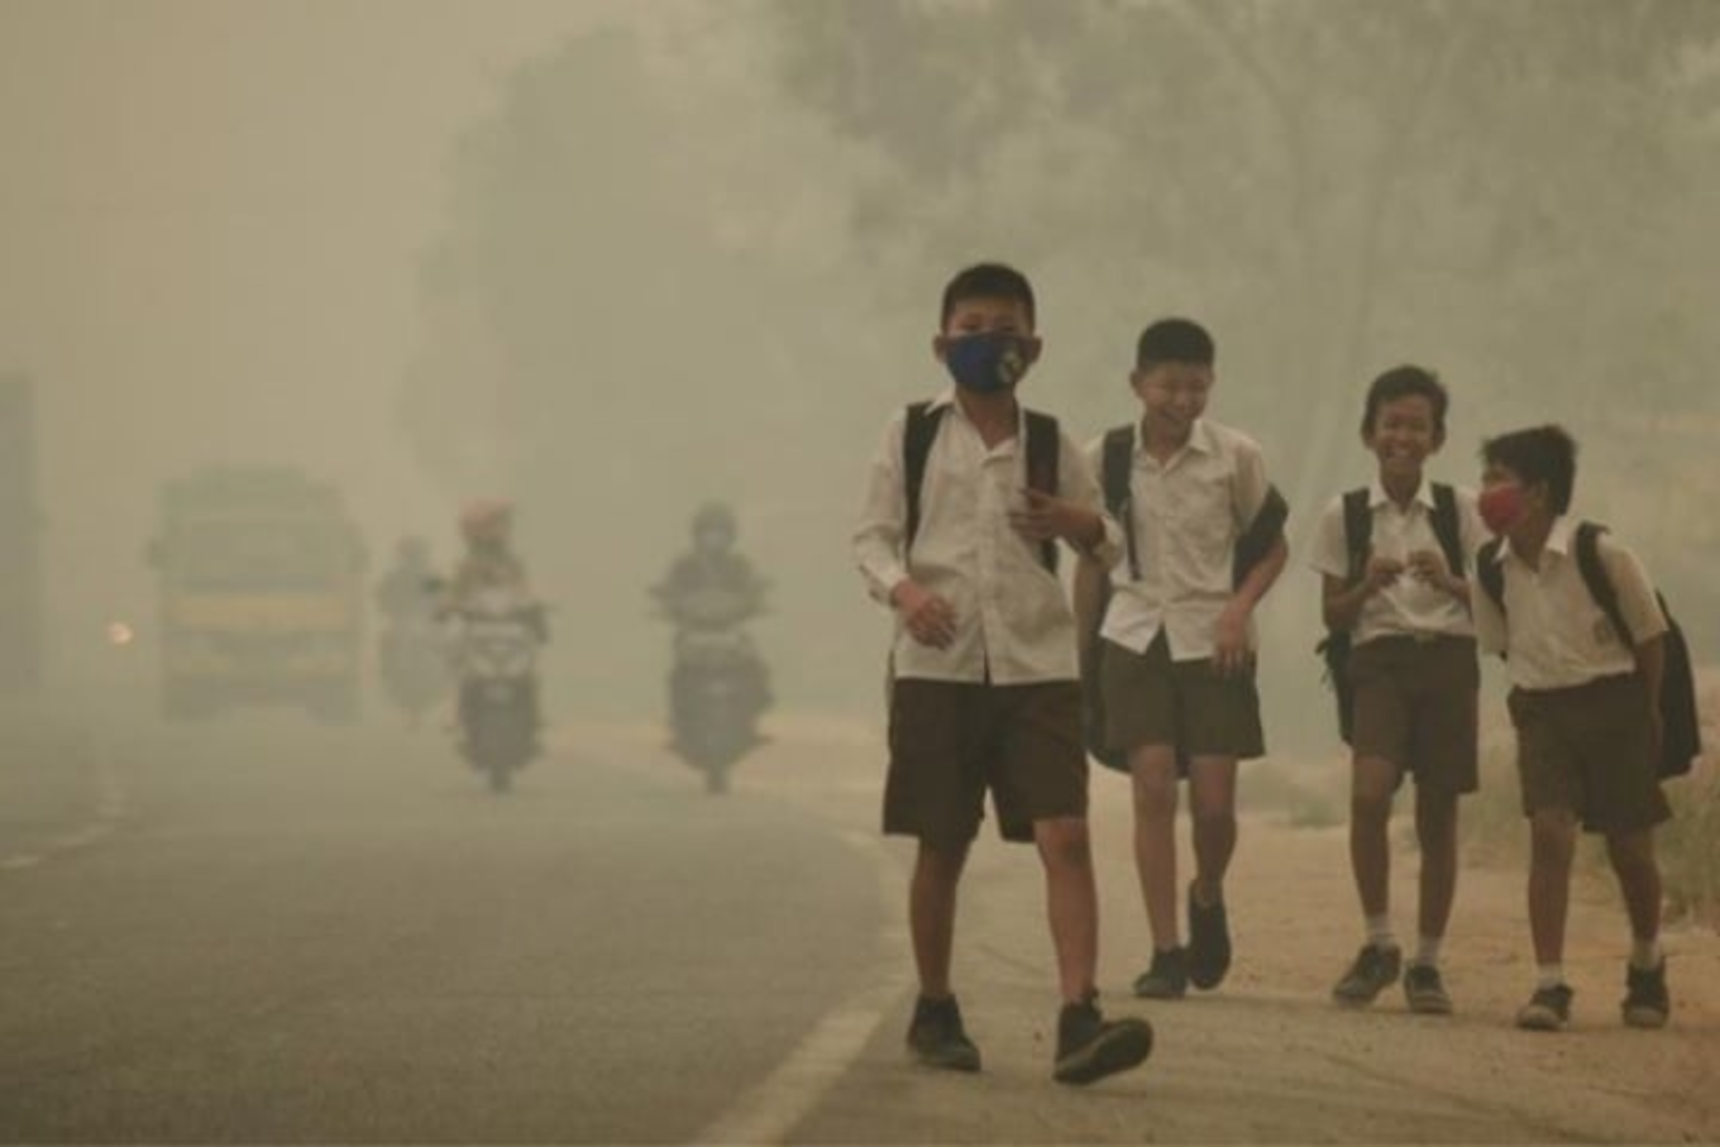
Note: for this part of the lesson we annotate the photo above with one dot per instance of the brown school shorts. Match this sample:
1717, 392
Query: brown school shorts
1416, 702
951, 741
1152, 700
1590, 749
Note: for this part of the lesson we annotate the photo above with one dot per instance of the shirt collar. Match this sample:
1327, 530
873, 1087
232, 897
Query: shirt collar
1378, 497
1558, 541
947, 401
1201, 439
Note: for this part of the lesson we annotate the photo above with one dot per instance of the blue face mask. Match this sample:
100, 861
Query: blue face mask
989, 362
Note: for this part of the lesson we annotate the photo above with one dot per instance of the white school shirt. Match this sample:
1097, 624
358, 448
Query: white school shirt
1188, 513
1554, 632
1409, 605
1014, 624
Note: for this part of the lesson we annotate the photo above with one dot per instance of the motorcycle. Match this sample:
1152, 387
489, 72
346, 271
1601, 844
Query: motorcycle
717, 689
495, 644
413, 665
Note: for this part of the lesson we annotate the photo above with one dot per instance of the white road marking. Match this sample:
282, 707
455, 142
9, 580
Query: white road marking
109, 811
769, 1112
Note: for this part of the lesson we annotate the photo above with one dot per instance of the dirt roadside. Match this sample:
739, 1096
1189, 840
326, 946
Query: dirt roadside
1267, 1058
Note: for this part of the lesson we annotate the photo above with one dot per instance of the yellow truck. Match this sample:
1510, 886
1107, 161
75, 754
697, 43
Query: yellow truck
261, 594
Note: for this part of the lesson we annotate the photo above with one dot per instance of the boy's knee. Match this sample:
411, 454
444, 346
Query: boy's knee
1553, 830
1064, 840
1370, 806
1633, 850
1213, 816
1154, 785
940, 861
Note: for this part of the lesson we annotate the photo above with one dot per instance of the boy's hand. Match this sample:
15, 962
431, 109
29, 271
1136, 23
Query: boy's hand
1429, 568
1381, 572
928, 618
1044, 517
1231, 656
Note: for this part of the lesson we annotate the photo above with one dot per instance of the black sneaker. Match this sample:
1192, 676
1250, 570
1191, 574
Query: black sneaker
1424, 990
1375, 970
1167, 978
1090, 1047
937, 1039
1208, 943
1646, 1003
1548, 1010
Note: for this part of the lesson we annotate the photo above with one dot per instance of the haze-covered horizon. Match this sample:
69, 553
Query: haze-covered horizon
612, 259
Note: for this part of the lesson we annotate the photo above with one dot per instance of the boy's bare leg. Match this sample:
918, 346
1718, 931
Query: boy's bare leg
1552, 843
1212, 808
1372, 782
1633, 861
1436, 832
1071, 902
932, 913
1153, 779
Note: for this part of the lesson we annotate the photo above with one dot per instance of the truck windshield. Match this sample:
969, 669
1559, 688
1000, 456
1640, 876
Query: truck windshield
267, 555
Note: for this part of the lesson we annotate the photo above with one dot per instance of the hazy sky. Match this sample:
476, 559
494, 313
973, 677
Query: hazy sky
209, 223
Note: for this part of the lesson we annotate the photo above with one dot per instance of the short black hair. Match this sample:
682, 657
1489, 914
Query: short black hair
1404, 382
1539, 454
987, 281
1174, 340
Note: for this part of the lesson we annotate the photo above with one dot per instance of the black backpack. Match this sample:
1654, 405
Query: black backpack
1358, 542
1682, 743
921, 430
1116, 464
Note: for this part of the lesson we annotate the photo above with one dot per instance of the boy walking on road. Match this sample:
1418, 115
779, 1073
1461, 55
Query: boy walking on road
1586, 706
964, 505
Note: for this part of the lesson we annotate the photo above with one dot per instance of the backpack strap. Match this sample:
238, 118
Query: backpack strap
1488, 575
1595, 577
1044, 445
1116, 464
1446, 528
918, 433
1358, 532
920, 430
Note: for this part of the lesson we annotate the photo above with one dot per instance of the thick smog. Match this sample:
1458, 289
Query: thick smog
859, 571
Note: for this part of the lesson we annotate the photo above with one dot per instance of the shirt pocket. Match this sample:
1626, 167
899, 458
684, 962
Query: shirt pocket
1204, 524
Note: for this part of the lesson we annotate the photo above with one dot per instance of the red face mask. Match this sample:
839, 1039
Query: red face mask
1501, 506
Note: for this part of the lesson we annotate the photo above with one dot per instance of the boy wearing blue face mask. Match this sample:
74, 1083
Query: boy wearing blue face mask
964, 504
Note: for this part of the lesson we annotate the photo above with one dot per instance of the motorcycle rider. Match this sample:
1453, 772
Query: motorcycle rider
409, 652
712, 591
403, 594
490, 563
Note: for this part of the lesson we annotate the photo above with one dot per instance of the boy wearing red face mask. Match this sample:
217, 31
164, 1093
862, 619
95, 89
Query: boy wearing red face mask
1586, 708
964, 505
1402, 597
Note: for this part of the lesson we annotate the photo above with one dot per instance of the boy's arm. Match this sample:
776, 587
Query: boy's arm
1248, 495
1262, 577
1491, 633
1076, 514
1101, 542
877, 538
1642, 614
1088, 594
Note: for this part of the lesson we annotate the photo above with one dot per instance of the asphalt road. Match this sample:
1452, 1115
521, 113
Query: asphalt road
272, 932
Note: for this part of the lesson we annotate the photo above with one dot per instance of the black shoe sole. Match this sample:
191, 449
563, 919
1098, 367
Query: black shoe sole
965, 1061
1126, 1045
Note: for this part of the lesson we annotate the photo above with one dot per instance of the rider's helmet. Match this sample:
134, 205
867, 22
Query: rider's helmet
714, 526
486, 521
